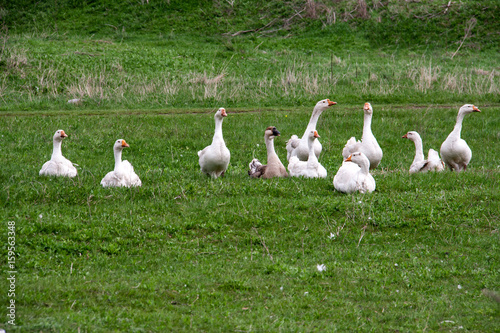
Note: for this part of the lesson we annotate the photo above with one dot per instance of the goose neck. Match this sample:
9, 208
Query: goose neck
118, 158
419, 150
367, 124
312, 155
218, 129
458, 125
56, 151
270, 148
365, 166
313, 121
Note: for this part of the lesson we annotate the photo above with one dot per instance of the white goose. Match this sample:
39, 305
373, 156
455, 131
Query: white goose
368, 144
123, 174
214, 159
274, 167
455, 152
354, 175
299, 147
310, 169
58, 164
420, 164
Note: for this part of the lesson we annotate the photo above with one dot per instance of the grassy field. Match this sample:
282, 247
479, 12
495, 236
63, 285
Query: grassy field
155, 73
188, 253
154, 57
185, 252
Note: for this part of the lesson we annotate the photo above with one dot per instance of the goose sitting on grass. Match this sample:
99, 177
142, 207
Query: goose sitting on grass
354, 175
214, 159
58, 165
310, 168
274, 167
299, 147
368, 144
123, 174
420, 164
455, 152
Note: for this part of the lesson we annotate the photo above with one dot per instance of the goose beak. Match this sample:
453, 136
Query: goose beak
63, 135
223, 113
367, 106
475, 109
330, 103
405, 136
276, 132
316, 135
124, 144
348, 159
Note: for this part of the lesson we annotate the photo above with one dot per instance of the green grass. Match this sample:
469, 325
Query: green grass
153, 72
184, 55
185, 252
381, 23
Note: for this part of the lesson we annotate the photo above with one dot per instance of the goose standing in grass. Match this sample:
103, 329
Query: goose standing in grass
310, 168
274, 167
123, 174
299, 147
58, 165
420, 164
455, 152
214, 159
354, 175
368, 144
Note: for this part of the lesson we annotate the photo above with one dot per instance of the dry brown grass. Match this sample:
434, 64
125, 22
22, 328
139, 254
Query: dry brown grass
296, 78
17, 59
468, 83
294, 81
48, 82
89, 85
361, 9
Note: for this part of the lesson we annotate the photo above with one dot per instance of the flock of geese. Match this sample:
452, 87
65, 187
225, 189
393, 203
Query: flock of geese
302, 154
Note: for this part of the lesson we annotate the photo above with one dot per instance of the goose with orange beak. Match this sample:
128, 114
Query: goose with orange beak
310, 168
300, 147
455, 152
58, 165
368, 144
123, 173
214, 159
354, 175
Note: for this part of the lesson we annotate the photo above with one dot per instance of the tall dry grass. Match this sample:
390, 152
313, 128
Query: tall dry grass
282, 78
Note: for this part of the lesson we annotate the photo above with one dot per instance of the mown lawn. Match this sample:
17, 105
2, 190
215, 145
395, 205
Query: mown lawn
185, 252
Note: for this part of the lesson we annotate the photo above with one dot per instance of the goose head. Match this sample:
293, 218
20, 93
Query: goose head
359, 158
120, 144
271, 132
60, 135
367, 108
324, 104
221, 113
313, 135
468, 108
411, 135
